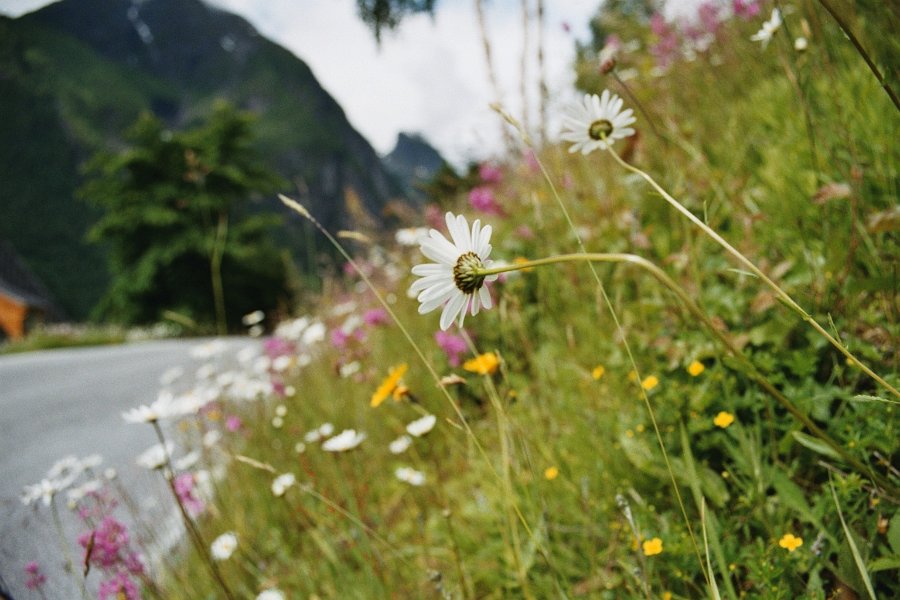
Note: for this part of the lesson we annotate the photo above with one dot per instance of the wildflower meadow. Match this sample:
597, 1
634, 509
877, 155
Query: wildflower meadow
651, 353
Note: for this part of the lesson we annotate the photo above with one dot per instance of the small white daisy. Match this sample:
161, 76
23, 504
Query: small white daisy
597, 122
420, 427
282, 483
452, 280
400, 445
346, 440
254, 318
224, 546
155, 456
160, 408
410, 476
270, 594
768, 29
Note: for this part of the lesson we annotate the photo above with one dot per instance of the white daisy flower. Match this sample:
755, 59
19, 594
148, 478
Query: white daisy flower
187, 461
224, 546
410, 476
765, 34
410, 236
400, 445
597, 122
254, 318
420, 427
154, 457
270, 594
282, 483
452, 280
43, 490
346, 440
160, 408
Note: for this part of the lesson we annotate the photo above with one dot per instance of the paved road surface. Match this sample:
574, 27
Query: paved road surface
61, 402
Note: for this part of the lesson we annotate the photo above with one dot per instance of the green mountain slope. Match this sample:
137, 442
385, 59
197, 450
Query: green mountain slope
75, 74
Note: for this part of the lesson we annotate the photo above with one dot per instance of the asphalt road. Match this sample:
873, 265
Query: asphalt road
62, 402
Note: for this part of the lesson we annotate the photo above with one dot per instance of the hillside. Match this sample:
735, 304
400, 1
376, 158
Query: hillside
78, 72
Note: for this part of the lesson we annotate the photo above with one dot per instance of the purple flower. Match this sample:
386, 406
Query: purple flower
184, 488
276, 346
232, 423
120, 586
482, 198
110, 538
453, 346
489, 173
339, 339
745, 9
375, 317
35, 580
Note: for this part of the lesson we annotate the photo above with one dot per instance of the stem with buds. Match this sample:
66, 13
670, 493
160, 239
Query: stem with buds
697, 312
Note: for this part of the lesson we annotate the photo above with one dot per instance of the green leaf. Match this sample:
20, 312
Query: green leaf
815, 444
885, 563
893, 534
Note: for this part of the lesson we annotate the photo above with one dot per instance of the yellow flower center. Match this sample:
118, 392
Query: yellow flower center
465, 273
600, 129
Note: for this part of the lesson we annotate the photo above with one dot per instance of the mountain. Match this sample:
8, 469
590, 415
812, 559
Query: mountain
75, 74
415, 162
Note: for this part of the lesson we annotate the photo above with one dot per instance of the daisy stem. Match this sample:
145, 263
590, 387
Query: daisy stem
697, 312
779, 292
297, 207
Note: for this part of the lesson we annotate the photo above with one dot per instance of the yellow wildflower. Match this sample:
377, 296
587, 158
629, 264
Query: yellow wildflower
400, 392
653, 547
483, 364
790, 542
650, 382
387, 386
598, 372
520, 260
695, 368
551, 473
667, 596
723, 419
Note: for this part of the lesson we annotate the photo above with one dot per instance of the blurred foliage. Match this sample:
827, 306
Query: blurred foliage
166, 200
382, 15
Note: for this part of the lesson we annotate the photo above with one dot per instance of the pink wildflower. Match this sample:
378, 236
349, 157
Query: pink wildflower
524, 232
375, 317
119, 587
745, 9
110, 538
434, 216
36, 579
453, 346
276, 346
339, 338
482, 198
184, 488
489, 173
232, 423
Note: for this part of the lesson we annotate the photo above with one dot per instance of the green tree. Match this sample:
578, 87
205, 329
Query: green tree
179, 226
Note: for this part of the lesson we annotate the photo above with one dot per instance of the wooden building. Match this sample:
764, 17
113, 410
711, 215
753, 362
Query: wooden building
23, 298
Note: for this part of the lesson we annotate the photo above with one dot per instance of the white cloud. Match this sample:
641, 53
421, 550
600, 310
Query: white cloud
429, 75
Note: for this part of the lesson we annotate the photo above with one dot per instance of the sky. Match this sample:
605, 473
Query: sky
429, 76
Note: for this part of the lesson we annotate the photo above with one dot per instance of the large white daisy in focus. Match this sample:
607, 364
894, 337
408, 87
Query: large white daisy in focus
597, 122
452, 281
